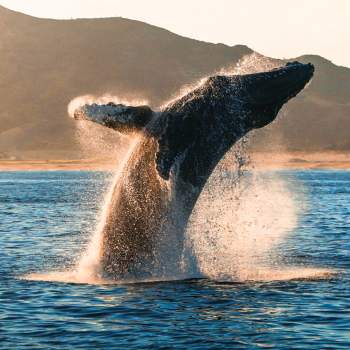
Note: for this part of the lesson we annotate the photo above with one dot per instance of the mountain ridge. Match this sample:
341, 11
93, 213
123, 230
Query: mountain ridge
46, 63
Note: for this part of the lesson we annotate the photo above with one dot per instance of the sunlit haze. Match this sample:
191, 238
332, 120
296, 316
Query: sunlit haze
276, 28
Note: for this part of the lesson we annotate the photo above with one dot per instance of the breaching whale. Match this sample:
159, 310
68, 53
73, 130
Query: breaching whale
178, 148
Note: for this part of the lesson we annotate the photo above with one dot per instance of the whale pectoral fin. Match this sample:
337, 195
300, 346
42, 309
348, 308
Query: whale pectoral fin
116, 116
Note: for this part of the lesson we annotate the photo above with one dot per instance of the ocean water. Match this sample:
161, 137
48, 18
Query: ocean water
46, 220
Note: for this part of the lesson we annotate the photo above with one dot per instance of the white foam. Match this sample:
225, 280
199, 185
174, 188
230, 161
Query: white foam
236, 233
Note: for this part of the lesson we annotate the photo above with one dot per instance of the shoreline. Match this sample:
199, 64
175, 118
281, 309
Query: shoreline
57, 164
301, 160
261, 160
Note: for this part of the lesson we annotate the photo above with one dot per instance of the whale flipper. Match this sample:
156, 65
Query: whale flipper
116, 116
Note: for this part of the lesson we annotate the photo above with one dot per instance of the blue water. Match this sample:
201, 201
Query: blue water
45, 220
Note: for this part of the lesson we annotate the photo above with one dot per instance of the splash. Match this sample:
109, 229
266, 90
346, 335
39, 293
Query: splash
253, 63
238, 224
236, 232
80, 101
96, 142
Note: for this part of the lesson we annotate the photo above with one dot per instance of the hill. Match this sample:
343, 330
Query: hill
46, 63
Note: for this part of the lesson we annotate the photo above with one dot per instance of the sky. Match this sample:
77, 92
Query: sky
276, 28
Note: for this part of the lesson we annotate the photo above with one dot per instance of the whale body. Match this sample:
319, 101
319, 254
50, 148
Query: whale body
178, 147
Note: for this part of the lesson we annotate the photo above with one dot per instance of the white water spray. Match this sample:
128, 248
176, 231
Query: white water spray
89, 267
80, 101
237, 225
240, 222
97, 142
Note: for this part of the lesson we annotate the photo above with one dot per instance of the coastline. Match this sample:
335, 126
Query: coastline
301, 160
261, 160
57, 164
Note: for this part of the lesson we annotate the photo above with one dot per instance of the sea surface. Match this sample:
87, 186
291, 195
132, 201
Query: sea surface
46, 220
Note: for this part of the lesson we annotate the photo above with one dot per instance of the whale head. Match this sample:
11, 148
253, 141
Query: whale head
258, 97
263, 94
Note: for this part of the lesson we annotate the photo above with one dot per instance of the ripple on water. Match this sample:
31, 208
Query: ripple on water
311, 311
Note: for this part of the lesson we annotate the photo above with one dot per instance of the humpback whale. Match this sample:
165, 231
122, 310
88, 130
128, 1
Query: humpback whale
178, 147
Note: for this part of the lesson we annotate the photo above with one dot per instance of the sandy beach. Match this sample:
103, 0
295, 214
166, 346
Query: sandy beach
57, 164
301, 160
263, 160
